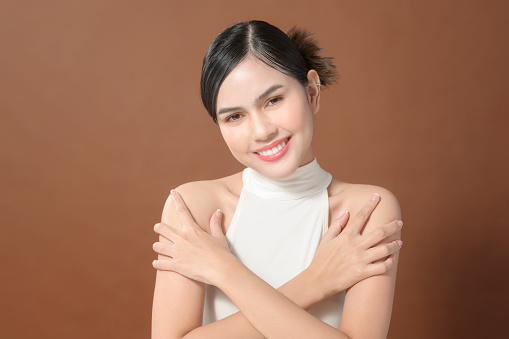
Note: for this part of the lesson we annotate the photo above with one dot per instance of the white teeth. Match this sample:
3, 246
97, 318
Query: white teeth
274, 150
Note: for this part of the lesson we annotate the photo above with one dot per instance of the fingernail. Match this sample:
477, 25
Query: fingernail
375, 197
400, 224
344, 214
156, 226
400, 243
218, 212
172, 192
154, 263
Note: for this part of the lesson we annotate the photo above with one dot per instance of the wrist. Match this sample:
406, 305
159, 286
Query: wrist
304, 290
315, 285
325, 283
229, 265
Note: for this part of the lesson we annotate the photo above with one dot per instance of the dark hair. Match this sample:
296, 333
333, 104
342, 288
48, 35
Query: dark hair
294, 54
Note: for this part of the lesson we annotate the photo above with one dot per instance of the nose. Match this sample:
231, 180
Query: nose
263, 127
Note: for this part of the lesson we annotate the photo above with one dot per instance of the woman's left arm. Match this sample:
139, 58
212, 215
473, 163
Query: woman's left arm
368, 304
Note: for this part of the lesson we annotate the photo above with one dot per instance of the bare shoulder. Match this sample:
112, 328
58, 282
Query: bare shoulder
203, 198
352, 197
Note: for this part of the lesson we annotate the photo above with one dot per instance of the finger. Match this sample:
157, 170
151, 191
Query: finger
382, 233
166, 231
383, 251
215, 224
163, 249
182, 211
336, 226
363, 215
381, 267
163, 265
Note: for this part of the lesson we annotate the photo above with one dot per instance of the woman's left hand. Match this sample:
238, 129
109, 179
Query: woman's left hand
193, 252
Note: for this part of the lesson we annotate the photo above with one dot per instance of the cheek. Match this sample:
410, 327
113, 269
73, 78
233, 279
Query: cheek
233, 139
299, 118
237, 144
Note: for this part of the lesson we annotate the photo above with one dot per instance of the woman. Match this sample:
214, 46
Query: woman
280, 256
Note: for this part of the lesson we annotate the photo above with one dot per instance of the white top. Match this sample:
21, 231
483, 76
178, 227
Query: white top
275, 231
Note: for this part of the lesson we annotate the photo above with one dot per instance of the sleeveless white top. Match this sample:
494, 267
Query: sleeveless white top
275, 231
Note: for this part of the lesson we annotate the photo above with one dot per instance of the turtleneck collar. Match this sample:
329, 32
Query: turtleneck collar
305, 181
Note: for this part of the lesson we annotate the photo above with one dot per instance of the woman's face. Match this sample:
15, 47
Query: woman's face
266, 117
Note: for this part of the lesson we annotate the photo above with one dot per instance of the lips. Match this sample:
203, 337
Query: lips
274, 150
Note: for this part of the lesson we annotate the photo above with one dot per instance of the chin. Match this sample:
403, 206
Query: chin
279, 169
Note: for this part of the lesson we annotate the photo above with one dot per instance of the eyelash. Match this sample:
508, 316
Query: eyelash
276, 99
230, 117
270, 102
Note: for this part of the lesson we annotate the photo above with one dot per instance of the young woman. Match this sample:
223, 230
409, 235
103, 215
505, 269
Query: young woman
282, 270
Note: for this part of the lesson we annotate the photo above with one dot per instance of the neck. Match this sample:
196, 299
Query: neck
306, 180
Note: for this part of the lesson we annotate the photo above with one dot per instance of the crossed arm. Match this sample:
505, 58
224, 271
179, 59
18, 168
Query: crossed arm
343, 259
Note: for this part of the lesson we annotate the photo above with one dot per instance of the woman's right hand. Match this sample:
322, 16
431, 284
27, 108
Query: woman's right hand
192, 252
345, 256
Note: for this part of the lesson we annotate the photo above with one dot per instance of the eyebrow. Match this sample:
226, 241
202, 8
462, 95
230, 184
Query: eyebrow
265, 94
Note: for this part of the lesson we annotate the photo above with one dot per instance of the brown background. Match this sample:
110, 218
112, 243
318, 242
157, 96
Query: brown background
101, 117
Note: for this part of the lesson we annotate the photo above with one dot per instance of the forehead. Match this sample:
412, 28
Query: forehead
247, 81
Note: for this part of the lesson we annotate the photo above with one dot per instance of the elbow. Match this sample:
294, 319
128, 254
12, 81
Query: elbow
167, 336
168, 333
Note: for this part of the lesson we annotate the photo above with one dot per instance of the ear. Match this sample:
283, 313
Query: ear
313, 90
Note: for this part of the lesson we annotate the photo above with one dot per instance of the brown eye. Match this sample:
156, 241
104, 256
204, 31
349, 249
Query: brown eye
274, 101
233, 117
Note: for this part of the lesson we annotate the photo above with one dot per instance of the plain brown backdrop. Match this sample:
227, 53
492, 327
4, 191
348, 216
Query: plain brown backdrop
101, 117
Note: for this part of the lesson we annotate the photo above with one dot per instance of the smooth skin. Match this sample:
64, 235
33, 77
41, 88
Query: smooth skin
361, 259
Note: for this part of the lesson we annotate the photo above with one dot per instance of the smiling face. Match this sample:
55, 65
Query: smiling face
266, 117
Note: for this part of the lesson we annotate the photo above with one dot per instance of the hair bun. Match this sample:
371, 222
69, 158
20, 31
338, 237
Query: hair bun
308, 47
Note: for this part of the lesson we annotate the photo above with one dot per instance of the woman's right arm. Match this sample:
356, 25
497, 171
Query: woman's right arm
177, 310
178, 301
